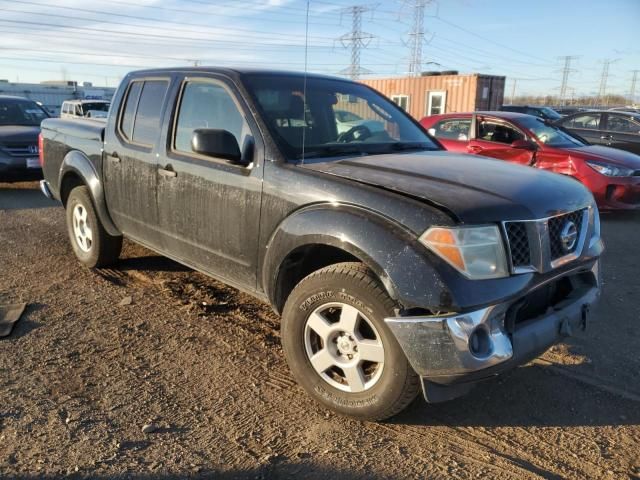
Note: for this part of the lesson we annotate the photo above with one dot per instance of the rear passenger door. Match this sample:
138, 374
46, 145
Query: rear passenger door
453, 133
130, 164
622, 131
209, 208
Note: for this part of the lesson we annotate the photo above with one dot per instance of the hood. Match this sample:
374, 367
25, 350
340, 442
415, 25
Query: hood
472, 188
604, 154
18, 134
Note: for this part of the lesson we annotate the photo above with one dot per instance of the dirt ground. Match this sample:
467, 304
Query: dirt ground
98, 355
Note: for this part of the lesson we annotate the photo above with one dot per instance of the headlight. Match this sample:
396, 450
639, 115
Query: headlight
476, 252
611, 170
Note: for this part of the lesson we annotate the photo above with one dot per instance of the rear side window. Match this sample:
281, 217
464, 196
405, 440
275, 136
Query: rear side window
587, 122
131, 103
140, 122
453, 129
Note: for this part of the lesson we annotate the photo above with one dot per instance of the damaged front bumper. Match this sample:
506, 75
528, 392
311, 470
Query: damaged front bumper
452, 352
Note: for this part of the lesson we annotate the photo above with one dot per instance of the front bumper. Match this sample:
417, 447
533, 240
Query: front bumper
452, 352
619, 193
16, 168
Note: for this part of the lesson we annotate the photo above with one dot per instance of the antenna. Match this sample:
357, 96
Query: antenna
356, 39
304, 87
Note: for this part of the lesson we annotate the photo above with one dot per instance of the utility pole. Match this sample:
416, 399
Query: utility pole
513, 90
356, 39
602, 91
632, 92
416, 37
566, 70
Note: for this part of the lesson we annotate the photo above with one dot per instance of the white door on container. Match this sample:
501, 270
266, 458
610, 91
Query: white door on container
436, 102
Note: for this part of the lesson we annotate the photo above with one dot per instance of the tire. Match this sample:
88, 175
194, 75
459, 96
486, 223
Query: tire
317, 323
93, 246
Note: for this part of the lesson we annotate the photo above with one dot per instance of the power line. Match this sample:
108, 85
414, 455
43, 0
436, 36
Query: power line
566, 70
602, 91
632, 91
356, 39
416, 37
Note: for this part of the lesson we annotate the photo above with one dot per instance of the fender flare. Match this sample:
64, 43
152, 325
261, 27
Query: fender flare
78, 163
391, 251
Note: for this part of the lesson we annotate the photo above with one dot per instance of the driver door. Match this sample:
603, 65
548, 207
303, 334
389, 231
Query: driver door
493, 138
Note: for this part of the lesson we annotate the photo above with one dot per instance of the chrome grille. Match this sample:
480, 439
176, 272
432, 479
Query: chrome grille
536, 245
519, 244
21, 150
556, 224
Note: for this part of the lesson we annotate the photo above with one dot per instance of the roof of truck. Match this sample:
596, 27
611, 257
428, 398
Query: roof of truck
236, 71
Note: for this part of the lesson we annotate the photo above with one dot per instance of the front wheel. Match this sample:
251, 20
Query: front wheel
339, 348
93, 246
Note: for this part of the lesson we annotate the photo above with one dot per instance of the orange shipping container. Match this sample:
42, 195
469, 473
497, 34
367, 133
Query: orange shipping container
435, 94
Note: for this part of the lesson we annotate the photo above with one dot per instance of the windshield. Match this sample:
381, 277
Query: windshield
550, 113
549, 134
339, 118
96, 107
21, 112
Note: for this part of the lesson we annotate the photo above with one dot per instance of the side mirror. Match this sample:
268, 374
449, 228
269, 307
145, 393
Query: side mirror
216, 143
524, 145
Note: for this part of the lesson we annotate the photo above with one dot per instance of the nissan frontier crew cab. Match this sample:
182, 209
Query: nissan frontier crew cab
395, 266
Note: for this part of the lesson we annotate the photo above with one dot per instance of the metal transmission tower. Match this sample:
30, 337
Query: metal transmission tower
602, 91
566, 70
356, 39
632, 92
416, 37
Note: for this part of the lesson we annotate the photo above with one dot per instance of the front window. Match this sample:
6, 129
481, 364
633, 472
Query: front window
587, 121
21, 112
622, 124
334, 118
493, 131
550, 135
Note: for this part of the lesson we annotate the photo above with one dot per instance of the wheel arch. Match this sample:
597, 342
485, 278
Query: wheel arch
77, 169
332, 234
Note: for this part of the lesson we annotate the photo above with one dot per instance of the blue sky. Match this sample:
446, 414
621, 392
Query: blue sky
99, 41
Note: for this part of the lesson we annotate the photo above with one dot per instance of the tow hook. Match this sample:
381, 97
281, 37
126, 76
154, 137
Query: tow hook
585, 311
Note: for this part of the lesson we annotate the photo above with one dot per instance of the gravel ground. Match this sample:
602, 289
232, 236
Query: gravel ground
99, 355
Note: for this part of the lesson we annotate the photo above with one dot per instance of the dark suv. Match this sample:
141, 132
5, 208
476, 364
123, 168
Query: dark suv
393, 263
19, 127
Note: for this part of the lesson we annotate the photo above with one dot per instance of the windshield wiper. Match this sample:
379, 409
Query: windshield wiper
402, 146
333, 150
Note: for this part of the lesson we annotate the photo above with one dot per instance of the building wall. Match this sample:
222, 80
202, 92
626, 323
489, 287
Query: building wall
52, 95
464, 93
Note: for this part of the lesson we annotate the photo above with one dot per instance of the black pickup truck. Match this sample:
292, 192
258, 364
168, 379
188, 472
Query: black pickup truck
394, 264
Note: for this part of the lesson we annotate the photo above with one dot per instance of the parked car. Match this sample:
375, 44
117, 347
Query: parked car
625, 109
612, 175
611, 128
346, 121
393, 263
547, 113
19, 128
84, 109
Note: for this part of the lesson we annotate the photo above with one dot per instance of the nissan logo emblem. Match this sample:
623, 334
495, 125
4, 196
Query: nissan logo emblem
569, 236
33, 149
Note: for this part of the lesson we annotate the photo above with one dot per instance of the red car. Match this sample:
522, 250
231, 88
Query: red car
612, 175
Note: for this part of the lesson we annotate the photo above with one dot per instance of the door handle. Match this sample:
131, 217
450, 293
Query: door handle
474, 148
606, 137
114, 157
167, 172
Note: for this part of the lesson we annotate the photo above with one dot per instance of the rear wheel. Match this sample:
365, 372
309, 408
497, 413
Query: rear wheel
93, 246
339, 348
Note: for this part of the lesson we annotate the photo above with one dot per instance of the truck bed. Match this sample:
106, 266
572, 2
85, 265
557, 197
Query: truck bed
62, 136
